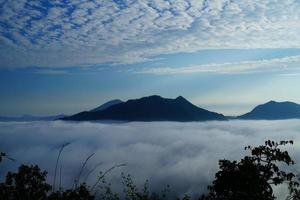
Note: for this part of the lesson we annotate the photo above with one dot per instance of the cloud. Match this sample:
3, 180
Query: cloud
51, 72
75, 33
184, 155
290, 74
278, 64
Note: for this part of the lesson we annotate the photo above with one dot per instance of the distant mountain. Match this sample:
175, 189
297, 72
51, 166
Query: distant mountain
27, 118
274, 110
106, 105
152, 108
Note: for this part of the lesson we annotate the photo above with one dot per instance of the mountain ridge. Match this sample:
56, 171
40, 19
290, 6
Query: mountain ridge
106, 105
273, 110
178, 109
150, 108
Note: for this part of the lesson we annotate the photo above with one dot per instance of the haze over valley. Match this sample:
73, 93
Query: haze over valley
182, 154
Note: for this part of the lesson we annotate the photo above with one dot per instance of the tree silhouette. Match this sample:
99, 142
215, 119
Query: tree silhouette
29, 183
79, 193
253, 176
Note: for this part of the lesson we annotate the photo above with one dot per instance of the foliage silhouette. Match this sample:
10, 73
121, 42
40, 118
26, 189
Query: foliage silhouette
103, 174
132, 192
253, 176
29, 183
77, 179
79, 193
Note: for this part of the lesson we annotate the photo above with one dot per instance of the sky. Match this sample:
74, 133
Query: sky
64, 56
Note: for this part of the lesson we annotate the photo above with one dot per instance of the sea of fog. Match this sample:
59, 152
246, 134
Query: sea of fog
183, 155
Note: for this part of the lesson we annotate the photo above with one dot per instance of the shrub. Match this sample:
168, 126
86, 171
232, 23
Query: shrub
253, 176
29, 183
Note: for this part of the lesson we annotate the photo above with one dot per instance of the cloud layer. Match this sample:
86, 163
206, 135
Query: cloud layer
72, 33
275, 64
184, 155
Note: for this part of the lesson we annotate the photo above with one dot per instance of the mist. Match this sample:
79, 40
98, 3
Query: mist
182, 155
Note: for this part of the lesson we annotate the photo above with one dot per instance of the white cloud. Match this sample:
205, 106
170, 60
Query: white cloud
290, 74
76, 33
51, 72
281, 64
184, 155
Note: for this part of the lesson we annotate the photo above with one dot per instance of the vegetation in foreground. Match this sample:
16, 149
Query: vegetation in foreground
250, 178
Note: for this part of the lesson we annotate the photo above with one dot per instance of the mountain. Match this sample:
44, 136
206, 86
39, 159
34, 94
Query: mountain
152, 108
274, 110
28, 118
106, 105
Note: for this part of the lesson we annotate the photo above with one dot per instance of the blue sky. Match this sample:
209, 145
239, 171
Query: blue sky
67, 56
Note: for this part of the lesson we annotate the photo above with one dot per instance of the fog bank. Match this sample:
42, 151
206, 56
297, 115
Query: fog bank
183, 155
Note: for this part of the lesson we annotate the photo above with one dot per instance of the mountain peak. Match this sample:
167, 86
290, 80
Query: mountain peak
180, 98
279, 103
107, 105
151, 108
148, 98
154, 97
274, 110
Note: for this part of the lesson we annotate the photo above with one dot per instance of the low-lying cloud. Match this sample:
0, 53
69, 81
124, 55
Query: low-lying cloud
183, 155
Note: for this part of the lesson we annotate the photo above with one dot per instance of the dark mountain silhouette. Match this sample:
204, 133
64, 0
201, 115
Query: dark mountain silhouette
27, 118
152, 108
107, 105
274, 110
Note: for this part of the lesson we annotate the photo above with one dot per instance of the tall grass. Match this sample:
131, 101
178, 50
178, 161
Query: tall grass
57, 161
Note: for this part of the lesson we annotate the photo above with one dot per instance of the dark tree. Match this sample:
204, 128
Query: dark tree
79, 193
29, 183
252, 177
